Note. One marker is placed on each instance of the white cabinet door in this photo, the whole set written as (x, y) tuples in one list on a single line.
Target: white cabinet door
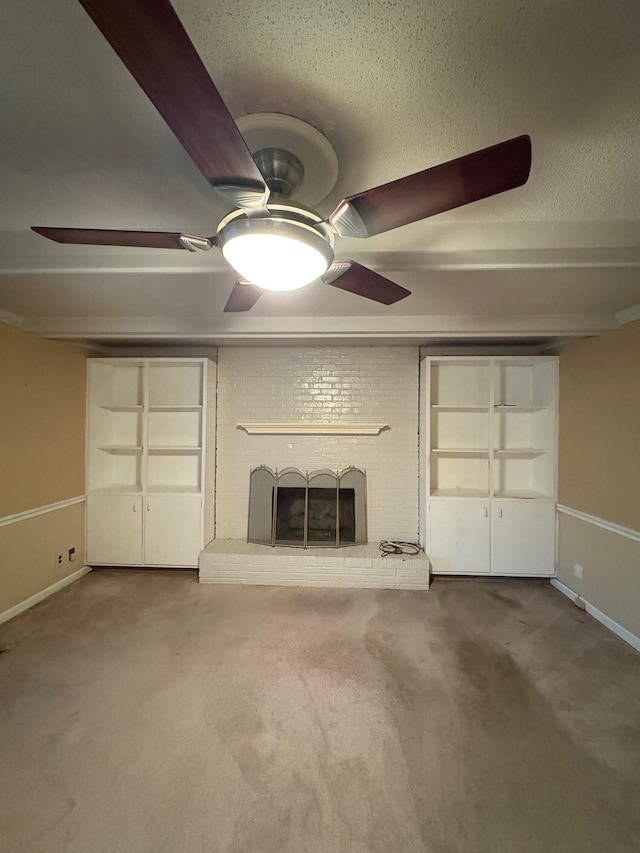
[(114, 529), (459, 536), (173, 530), (523, 538)]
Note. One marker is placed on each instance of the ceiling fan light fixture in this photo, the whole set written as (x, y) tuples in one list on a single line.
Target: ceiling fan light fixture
[(275, 254)]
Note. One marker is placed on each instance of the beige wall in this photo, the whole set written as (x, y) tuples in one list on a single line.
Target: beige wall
[(42, 417), (599, 450), (42, 400), (599, 471)]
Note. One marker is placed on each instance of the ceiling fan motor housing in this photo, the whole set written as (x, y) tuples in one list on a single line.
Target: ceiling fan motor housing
[(297, 218), (283, 172)]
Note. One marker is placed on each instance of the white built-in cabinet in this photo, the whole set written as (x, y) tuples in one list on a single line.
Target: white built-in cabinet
[(146, 427), (489, 460)]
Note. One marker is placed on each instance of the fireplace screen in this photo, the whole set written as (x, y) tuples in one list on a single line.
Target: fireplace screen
[(307, 509)]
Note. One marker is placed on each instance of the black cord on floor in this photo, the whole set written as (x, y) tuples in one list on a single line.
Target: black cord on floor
[(387, 546)]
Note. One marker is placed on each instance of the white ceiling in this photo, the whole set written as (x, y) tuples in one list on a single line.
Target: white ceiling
[(396, 87)]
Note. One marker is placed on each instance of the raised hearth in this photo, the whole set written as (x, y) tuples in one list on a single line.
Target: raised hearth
[(236, 561)]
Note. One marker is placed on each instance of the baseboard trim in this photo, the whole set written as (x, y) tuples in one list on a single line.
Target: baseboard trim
[(611, 526), (10, 318), (628, 315), (41, 510), (605, 620), (44, 593)]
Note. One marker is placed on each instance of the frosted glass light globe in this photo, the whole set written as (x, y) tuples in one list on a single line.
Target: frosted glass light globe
[(275, 255)]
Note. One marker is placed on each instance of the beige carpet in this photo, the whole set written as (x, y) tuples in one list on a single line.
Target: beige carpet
[(143, 712)]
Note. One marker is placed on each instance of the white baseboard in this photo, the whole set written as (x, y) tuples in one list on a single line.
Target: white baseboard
[(605, 620), (44, 593)]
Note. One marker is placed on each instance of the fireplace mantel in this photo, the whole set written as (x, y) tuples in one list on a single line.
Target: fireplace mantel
[(312, 429)]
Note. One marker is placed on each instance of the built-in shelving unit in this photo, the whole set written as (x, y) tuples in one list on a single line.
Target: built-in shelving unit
[(145, 438), (491, 427)]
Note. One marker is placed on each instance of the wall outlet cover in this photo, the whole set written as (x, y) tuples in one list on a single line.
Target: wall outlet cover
[(578, 571)]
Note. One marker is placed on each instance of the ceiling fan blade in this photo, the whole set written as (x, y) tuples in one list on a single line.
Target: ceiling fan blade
[(149, 38), (243, 297), (144, 239), (351, 276), (445, 187)]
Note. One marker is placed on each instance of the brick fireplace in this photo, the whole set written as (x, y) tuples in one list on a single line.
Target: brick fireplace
[(317, 408)]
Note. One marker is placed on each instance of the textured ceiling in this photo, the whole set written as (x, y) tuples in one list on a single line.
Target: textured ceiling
[(396, 87)]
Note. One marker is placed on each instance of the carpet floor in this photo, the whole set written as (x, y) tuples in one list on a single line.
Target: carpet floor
[(141, 712)]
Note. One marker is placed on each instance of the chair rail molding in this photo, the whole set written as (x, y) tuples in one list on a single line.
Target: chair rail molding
[(611, 526), (41, 510)]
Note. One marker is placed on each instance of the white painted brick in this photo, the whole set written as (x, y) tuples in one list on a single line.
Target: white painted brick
[(326, 385)]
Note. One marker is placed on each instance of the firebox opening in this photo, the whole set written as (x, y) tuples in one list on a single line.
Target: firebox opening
[(307, 509), (326, 511)]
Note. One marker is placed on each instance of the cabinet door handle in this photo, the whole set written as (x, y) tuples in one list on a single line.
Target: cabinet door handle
[(148, 506), (135, 506), (486, 512), (500, 513)]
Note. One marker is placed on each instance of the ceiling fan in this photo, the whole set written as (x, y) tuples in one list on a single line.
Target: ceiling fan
[(273, 242)]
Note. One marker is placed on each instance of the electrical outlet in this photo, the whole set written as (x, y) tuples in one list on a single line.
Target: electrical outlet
[(578, 571), (72, 554), (58, 560)]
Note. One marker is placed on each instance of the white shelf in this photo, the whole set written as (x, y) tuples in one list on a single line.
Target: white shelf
[(520, 453), (521, 494), (122, 408), (469, 452), (460, 493), (121, 449), (505, 407), (172, 489), (118, 489), (150, 408), (172, 450), (460, 408)]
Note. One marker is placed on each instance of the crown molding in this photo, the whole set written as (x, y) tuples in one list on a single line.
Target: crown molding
[(237, 329)]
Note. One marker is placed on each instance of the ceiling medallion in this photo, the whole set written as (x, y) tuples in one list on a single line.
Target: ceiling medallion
[(311, 148)]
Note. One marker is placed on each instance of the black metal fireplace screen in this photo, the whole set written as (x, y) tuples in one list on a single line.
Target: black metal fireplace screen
[(307, 509)]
